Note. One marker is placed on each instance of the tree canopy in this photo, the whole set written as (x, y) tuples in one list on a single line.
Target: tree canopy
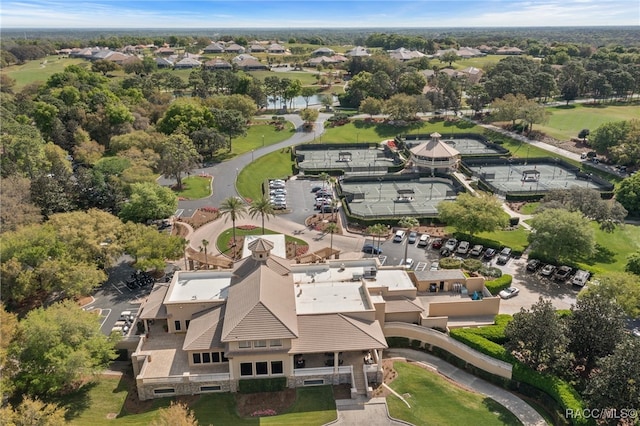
[(472, 214), (562, 235), (57, 347), (149, 201)]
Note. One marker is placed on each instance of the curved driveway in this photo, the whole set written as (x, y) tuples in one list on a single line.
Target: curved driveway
[(224, 173)]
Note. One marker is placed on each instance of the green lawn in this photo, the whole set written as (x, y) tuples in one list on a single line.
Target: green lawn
[(313, 406), (277, 164), (566, 122), (254, 139), (222, 243), (613, 248), (529, 208), (195, 187), (39, 70), (362, 131), (436, 401), (481, 62), (516, 239)]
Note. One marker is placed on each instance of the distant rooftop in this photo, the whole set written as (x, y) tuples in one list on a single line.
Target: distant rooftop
[(199, 285)]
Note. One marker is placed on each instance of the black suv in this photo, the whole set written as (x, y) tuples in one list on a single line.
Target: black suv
[(533, 265)]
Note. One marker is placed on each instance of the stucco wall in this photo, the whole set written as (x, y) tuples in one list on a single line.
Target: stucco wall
[(465, 307), (441, 340)]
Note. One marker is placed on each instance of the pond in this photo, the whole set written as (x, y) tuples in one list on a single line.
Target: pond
[(297, 102)]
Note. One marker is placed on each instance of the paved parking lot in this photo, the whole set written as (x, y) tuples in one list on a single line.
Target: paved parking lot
[(531, 285)]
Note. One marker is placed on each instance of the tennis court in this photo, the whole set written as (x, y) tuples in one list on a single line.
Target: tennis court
[(385, 198), (538, 177), (465, 146), (350, 159)]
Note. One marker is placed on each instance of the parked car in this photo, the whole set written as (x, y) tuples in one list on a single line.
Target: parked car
[(126, 316), (316, 188), (580, 278), (636, 332), (533, 265), (508, 293), (423, 241), (445, 252), (371, 249), (451, 244), (435, 266), (326, 208), (278, 191), (277, 183), (463, 248), (505, 254), (436, 244), (399, 236), (562, 273), (547, 270), (476, 250), (489, 253), (413, 236), (279, 206), (408, 263)]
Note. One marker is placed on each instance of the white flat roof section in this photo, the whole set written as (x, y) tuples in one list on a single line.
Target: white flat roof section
[(326, 297), (393, 279), (279, 245), (199, 285)]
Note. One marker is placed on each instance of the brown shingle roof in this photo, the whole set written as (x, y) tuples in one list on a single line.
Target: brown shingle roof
[(261, 305), (153, 307), (205, 330), (337, 332), (434, 149)]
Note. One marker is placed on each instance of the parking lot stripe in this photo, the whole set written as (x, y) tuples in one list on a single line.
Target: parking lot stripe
[(117, 289)]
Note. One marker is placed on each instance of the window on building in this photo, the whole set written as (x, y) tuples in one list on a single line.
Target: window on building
[(276, 367), (164, 391), (246, 369), (244, 344), (260, 344), (261, 369), (206, 358), (196, 359), (215, 356), (186, 324), (210, 388), (275, 343), (177, 325)]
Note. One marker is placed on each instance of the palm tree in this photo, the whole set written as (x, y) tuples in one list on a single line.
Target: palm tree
[(262, 207), (408, 222), (204, 245), (325, 178), (331, 228), (378, 230), (233, 208)]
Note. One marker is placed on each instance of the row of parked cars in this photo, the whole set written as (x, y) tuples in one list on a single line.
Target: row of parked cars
[(139, 279), (124, 323), (561, 273), (455, 247), (324, 199), (278, 194)]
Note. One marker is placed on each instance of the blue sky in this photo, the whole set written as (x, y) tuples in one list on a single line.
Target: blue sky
[(315, 13)]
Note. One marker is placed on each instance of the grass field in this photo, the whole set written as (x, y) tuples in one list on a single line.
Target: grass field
[(277, 164), (313, 406), (225, 237), (195, 187), (566, 122), (40, 70), (480, 62), (254, 139), (362, 131), (436, 401), (613, 248)]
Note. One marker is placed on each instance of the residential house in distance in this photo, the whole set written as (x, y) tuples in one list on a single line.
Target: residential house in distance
[(309, 324), (187, 63), (257, 48), (217, 64), (248, 63), (164, 62), (473, 74), (323, 51), (505, 50), (276, 48), (403, 55), (234, 48), (165, 51), (215, 48), (358, 51)]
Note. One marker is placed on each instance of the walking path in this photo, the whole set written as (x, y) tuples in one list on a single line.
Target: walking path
[(362, 411), (522, 410)]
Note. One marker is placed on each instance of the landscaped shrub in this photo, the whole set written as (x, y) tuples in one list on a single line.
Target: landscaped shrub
[(415, 344), (262, 385), (450, 263), (499, 284), (398, 342), (490, 271), (472, 265)]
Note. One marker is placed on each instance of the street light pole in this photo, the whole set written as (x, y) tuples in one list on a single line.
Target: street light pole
[(263, 141)]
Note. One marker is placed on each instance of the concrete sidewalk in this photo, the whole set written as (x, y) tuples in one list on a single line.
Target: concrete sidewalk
[(372, 412), (522, 410)]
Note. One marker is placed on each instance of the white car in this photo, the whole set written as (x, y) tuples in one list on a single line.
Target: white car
[(451, 244), (278, 191), (463, 248), (424, 240), (435, 266), (476, 250), (407, 263), (508, 293)]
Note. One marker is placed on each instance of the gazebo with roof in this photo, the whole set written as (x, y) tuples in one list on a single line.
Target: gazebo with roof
[(435, 156)]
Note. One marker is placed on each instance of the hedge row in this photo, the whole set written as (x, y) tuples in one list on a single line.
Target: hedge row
[(499, 284), (562, 392), (262, 385)]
